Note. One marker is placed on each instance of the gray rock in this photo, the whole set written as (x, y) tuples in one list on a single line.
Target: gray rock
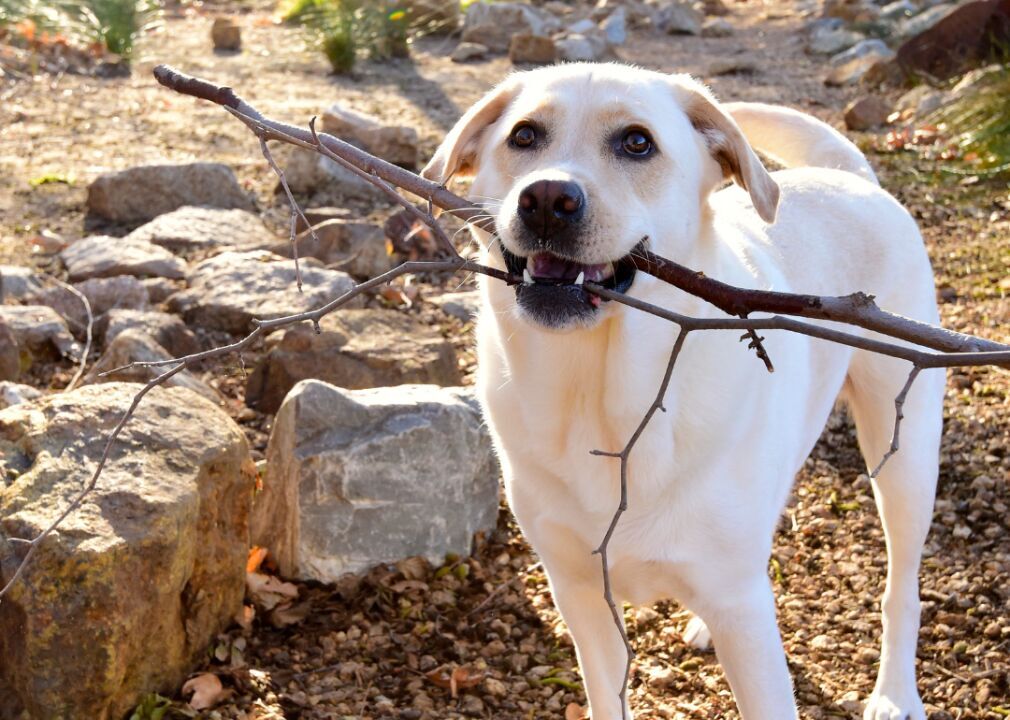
[(460, 305), (582, 27), (898, 10), (307, 172), (158, 289), (717, 27), (167, 330), (468, 51), (864, 48), (39, 329), (867, 112), (679, 18), (103, 294), (494, 24), (12, 393), (17, 282), (394, 143), (527, 49), (10, 354), (356, 248), (191, 229), (230, 290), (134, 345), (827, 41), (583, 48), (356, 349), (101, 256), (157, 550), (615, 26), (357, 478), (142, 193), (924, 20), (853, 71)]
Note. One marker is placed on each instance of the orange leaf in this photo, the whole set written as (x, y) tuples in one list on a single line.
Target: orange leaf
[(256, 557), (574, 711), (207, 691)]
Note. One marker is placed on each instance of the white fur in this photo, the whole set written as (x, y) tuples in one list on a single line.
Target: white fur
[(710, 476)]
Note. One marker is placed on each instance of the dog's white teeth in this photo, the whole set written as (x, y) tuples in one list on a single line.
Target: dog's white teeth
[(580, 279), (527, 278)]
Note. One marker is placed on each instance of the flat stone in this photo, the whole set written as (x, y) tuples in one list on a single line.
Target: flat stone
[(717, 27), (923, 21), (867, 112), (189, 230), (103, 294), (10, 354), (167, 330), (356, 349), (615, 26), (158, 289), (494, 24), (853, 71), (12, 393), (583, 48), (468, 51), (898, 10), (145, 192), (228, 291), (526, 49), (226, 34), (357, 248), (101, 256), (827, 41), (156, 551), (864, 48), (17, 282), (395, 143), (679, 18), (135, 345), (39, 329), (307, 173), (460, 305), (357, 478)]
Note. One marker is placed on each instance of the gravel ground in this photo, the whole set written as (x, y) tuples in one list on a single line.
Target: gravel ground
[(479, 637)]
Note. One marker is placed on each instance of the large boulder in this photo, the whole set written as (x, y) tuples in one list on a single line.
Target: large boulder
[(126, 596), (494, 24), (356, 349), (145, 192), (230, 290), (357, 478), (192, 230), (395, 143), (39, 330), (357, 248), (970, 35), (101, 256)]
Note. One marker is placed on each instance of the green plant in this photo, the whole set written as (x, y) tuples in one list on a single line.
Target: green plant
[(112, 24), (342, 28), (979, 121)]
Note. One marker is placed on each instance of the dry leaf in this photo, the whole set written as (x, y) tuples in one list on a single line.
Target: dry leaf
[(256, 557), (413, 568), (461, 678), (574, 711), (207, 691), (408, 585), (288, 614), (268, 591)]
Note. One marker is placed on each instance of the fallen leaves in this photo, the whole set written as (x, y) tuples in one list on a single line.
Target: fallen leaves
[(456, 679), (207, 691)]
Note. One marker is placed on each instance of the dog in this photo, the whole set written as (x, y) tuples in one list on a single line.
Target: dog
[(581, 165)]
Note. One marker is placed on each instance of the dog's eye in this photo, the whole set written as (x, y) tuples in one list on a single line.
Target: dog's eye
[(637, 143), (523, 136)]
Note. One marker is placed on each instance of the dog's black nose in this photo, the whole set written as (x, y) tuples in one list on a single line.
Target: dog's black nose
[(549, 207)]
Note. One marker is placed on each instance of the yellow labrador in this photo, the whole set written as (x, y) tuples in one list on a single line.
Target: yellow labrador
[(580, 165)]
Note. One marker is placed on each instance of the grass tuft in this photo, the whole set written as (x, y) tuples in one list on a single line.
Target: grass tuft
[(979, 121)]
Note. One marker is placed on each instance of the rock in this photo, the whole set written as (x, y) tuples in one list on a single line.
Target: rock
[(851, 10), (395, 143), (715, 7), (10, 354), (923, 21), (582, 27), (124, 599), (39, 330), (679, 18), (158, 289), (898, 10), (827, 41), (356, 478), (494, 24), (17, 282), (467, 51), (189, 230), (145, 192), (583, 48), (12, 393), (356, 248), (966, 37), (867, 112), (921, 101), (533, 49), (134, 345), (308, 172), (226, 34), (356, 349), (461, 305), (850, 72), (167, 330), (317, 215), (717, 27), (732, 66), (100, 256), (615, 27), (103, 294), (863, 48), (230, 290)]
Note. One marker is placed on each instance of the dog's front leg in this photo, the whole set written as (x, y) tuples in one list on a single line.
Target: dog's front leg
[(741, 618)]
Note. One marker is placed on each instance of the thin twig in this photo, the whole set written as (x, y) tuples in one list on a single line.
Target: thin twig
[(899, 415), (296, 211), (623, 455), (88, 330)]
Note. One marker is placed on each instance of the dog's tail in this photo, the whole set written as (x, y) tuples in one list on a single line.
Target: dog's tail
[(796, 139)]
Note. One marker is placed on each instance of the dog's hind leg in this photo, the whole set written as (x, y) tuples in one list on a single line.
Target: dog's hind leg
[(904, 491)]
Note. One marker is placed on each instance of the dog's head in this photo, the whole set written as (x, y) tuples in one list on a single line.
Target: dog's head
[(580, 163)]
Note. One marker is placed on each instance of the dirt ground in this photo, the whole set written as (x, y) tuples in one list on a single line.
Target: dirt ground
[(386, 646)]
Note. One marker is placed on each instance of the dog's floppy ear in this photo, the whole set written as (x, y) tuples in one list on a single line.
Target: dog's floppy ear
[(731, 150), (458, 152)]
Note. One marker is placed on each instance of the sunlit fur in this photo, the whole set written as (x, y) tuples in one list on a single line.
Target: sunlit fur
[(710, 476)]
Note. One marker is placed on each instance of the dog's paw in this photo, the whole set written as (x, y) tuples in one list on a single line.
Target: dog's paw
[(894, 706), (696, 634)]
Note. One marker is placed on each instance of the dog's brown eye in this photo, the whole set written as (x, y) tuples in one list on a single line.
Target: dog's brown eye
[(636, 142), (524, 136)]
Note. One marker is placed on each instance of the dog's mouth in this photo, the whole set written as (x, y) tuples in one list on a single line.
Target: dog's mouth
[(553, 289)]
